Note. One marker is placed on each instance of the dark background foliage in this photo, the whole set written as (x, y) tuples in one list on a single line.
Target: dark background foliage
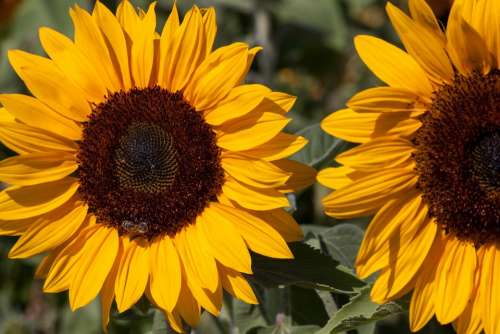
[(308, 52)]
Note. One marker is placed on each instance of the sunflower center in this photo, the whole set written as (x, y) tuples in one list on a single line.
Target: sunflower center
[(486, 159), (458, 157), (148, 163), (146, 160)]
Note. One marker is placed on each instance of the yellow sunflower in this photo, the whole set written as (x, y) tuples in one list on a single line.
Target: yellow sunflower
[(428, 165), (146, 165)]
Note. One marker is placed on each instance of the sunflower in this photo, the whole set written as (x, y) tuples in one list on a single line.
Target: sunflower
[(428, 165), (146, 166)]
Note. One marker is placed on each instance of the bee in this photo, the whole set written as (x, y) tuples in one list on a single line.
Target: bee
[(135, 229)]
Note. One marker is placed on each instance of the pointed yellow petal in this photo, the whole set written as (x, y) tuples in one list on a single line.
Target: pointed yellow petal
[(489, 289), (73, 63), (302, 176), (366, 195), (404, 265), (36, 168), (188, 307), (380, 153), (15, 227), (34, 113), (217, 76), (388, 99), (424, 46), (281, 146), (166, 42), (98, 257), (50, 85), (115, 39), (89, 39), (423, 297), (335, 177), (363, 127), (392, 65), (224, 239), (469, 322), (259, 199), (260, 237), (257, 173), (143, 49), (465, 46), (165, 267), (240, 101), (31, 201), (49, 231), (237, 285), (185, 53), (66, 264), (108, 294), (210, 27), (422, 13), (133, 273), (283, 222), (250, 131), (455, 279), (26, 139)]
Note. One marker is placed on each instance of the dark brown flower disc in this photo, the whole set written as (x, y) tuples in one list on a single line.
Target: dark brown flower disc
[(458, 157), (149, 163)]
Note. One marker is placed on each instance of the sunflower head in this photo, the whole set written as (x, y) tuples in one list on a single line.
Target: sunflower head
[(146, 165), (427, 167)]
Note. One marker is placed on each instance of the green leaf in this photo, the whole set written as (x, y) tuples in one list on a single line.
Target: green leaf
[(309, 269), (247, 317), (360, 311), (342, 242), (322, 147), (306, 307)]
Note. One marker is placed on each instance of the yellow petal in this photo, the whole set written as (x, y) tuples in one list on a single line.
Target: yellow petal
[(31, 201), (98, 257), (115, 39), (237, 285), (366, 195), (185, 52), (166, 41), (283, 101), (199, 256), (455, 279), (73, 63), (423, 297), (257, 173), (465, 46), (217, 76), (15, 227), (240, 101), (49, 231), (380, 153), (89, 39), (133, 273), (210, 27), (392, 65), (44, 266), (188, 307), (283, 222), (388, 99), (66, 263), (335, 177), (142, 56), (390, 221), (250, 131), (34, 113), (260, 236), (36, 168), (422, 13), (485, 19), (362, 127), (108, 294), (50, 85), (224, 239), (424, 46), (404, 265), (259, 199), (165, 267), (26, 139), (469, 322), (490, 289), (302, 176), (281, 146)]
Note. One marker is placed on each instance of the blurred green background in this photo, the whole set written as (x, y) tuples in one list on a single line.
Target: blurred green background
[(308, 52)]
